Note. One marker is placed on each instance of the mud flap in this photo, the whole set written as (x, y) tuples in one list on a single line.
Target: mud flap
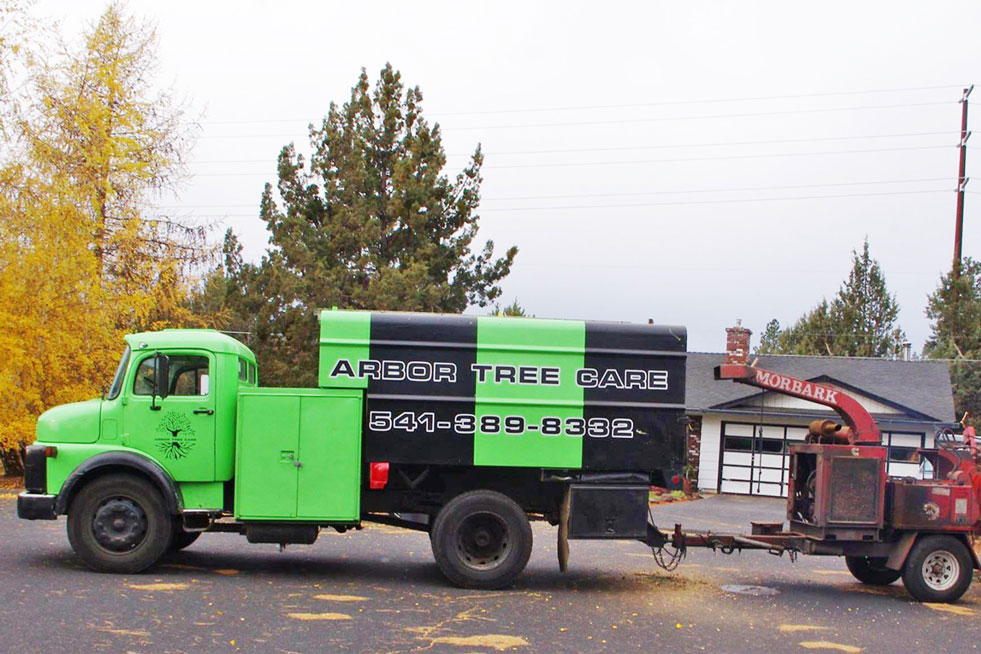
[(901, 551), (563, 537)]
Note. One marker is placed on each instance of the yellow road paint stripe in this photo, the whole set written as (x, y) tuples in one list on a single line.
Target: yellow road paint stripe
[(341, 598), (499, 642), (319, 616), (831, 572), (950, 608), (823, 644), (790, 628), (157, 586)]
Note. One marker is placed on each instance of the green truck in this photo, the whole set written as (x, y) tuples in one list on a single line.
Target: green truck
[(463, 427)]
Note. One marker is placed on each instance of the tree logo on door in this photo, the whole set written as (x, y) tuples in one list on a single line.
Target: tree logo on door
[(179, 437)]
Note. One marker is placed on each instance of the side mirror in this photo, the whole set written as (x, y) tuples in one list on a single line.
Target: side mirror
[(161, 379)]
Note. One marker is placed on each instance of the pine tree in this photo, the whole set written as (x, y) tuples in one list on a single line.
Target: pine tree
[(513, 310), (955, 311), (371, 222), (865, 313), (770, 339), (859, 321)]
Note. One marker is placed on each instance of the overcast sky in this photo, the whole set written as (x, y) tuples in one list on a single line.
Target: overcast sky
[(691, 162)]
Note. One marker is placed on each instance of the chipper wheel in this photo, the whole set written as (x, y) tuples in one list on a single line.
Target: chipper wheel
[(871, 570), (938, 569), (118, 523), (481, 539)]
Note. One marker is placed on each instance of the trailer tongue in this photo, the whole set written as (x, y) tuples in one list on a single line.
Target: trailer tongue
[(841, 502)]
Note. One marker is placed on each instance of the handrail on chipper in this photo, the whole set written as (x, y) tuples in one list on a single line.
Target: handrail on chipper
[(861, 427)]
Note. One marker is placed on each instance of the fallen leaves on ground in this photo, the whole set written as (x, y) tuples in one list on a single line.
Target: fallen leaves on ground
[(319, 616), (158, 586), (500, 642)]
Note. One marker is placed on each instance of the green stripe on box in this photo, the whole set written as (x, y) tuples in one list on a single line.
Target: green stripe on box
[(343, 335), (539, 344)]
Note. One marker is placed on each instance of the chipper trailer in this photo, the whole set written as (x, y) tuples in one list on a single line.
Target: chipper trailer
[(460, 426), (841, 502)]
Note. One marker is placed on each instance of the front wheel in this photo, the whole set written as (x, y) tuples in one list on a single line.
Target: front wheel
[(481, 539), (871, 570), (182, 539), (118, 523), (938, 569)]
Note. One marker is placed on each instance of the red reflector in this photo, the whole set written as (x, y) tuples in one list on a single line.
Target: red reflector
[(676, 480), (378, 475), (50, 452)]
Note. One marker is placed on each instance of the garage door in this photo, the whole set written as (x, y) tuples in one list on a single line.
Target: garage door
[(754, 458)]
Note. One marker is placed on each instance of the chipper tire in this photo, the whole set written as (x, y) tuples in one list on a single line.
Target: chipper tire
[(481, 539), (938, 569), (871, 570), (118, 523)]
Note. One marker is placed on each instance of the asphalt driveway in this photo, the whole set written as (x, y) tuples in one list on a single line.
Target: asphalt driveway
[(378, 590)]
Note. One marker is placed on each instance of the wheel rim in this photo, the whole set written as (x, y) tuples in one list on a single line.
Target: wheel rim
[(119, 524), (483, 541), (941, 569)]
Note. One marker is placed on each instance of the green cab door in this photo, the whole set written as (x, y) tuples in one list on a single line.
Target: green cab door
[(179, 430)]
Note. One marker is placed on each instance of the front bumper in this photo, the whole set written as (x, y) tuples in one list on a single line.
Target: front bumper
[(32, 506)]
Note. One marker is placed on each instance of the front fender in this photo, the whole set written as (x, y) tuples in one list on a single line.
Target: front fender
[(120, 462)]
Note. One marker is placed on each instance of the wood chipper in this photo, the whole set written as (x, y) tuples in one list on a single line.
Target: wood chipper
[(842, 502)]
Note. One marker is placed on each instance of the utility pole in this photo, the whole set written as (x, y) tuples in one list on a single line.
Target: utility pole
[(961, 183)]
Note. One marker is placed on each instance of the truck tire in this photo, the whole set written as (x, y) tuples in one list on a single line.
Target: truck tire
[(481, 539), (938, 569), (118, 523), (182, 539), (871, 570)]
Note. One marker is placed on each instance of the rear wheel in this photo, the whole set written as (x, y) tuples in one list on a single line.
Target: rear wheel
[(481, 539), (871, 570), (118, 523), (938, 569)]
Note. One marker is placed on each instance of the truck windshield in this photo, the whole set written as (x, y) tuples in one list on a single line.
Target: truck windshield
[(117, 381)]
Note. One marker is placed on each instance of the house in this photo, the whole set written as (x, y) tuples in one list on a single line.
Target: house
[(738, 435)]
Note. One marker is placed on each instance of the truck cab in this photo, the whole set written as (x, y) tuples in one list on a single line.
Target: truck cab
[(167, 421)]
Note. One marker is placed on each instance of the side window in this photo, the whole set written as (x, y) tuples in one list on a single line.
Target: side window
[(252, 374), (243, 370), (188, 375), (145, 375)]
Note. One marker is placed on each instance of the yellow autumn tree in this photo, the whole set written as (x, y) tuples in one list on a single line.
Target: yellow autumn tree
[(92, 143)]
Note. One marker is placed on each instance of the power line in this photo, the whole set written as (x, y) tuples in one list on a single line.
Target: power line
[(726, 201), (718, 158), (625, 121), (644, 147), (620, 194), (716, 190), (567, 164), (660, 204), (635, 105)]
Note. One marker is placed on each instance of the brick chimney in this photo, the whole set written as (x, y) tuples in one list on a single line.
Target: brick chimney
[(737, 344)]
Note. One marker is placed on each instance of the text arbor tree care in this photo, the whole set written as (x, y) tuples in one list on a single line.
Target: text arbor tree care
[(446, 371)]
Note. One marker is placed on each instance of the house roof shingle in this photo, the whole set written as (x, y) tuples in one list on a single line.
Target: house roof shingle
[(923, 386)]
